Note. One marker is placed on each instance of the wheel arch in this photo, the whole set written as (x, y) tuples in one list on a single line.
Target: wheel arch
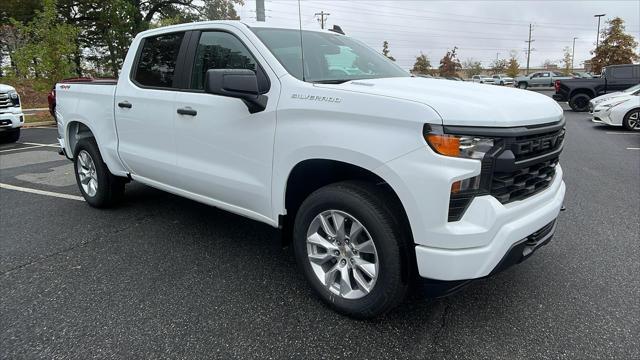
[(311, 174), (78, 129), (589, 92), (75, 131)]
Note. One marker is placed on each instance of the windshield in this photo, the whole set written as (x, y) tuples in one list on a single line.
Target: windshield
[(328, 58)]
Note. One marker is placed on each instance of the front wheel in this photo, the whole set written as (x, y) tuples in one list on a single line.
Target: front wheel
[(98, 186), (352, 248), (12, 136), (631, 120), (522, 85)]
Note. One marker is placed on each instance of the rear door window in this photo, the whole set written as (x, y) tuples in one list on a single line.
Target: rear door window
[(625, 72), (157, 61)]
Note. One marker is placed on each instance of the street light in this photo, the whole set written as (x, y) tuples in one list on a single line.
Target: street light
[(598, 35), (573, 53)]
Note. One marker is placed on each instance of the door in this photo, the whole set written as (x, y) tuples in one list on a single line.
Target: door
[(144, 109), (223, 152)]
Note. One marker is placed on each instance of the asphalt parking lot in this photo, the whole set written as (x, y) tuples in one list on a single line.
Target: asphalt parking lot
[(165, 277)]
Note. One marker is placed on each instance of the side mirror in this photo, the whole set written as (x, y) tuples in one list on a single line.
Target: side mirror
[(236, 83)]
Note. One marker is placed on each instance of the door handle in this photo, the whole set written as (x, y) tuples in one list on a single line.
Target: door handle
[(125, 104), (187, 111)]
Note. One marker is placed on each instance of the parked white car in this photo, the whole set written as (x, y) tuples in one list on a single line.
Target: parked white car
[(482, 79), (634, 90), (619, 111), (502, 80), (11, 116), (377, 179)]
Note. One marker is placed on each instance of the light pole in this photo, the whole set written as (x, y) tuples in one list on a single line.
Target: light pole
[(598, 36), (573, 53)]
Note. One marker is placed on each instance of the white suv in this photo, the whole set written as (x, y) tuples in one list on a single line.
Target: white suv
[(11, 116), (376, 177)]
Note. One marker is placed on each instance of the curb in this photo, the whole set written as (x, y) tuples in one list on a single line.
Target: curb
[(36, 124)]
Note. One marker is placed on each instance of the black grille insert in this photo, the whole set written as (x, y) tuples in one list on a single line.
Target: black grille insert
[(522, 183)]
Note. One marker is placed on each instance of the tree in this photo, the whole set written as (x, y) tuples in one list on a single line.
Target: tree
[(616, 47), (567, 60), (422, 65), (498, 66), (49, 46), (385, 51), (220, 9), (449, 64), (472, 67), (549, 64), (513, 67)]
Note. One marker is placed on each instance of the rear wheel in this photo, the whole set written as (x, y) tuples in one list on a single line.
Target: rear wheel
[(352, 249), (98, 186), (579, 102), (522, 85), (631, 120)]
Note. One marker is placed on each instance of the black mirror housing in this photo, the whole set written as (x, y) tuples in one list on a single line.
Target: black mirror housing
[(236, 83)]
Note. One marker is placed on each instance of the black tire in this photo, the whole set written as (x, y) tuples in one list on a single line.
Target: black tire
[(630, 123), (11, 136), (523, 85), (375, 210), (579, 102), (501, 83), (110, 189)]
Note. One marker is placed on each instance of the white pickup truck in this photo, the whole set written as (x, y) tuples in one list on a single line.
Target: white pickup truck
[(377, 178), (11, 116)]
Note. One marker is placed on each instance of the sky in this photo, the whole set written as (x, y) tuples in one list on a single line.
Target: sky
[(482, 30)]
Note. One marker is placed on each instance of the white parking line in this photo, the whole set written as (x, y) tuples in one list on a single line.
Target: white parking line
[(41, 192), (633, 148), (622, 133), (34, 145)]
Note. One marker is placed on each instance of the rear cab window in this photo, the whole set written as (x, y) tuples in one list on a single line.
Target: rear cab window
[(156, 62)]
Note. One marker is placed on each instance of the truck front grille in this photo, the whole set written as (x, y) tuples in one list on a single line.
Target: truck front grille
[(522, 163), (5, 101), (525, 182)]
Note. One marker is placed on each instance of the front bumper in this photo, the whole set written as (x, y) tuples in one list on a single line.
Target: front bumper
[(505, 227), (12, 118), (473, 245), (603, 117)]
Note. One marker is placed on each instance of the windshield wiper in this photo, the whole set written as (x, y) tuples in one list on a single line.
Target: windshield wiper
[(335, 81)]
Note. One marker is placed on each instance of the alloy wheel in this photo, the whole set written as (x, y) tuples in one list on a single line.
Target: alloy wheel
[(87, 173), (342, 254), (634, 120)]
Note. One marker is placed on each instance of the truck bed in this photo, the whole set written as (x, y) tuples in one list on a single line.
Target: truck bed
[(92, 104)]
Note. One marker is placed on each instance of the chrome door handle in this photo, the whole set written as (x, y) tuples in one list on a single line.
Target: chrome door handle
[(187, 111)]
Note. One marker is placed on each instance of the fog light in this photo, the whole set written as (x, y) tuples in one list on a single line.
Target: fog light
[(470, 184)]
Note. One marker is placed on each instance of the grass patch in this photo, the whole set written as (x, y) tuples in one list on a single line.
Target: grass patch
[(33, 92), (38, 117)]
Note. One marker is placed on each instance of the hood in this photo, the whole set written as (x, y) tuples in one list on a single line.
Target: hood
[(606, 97), (465, 103), (616, 99), (6, 88)]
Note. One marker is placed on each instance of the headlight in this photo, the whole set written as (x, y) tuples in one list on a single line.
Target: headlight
[(13, 95), (609, 106), (462, 146)]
